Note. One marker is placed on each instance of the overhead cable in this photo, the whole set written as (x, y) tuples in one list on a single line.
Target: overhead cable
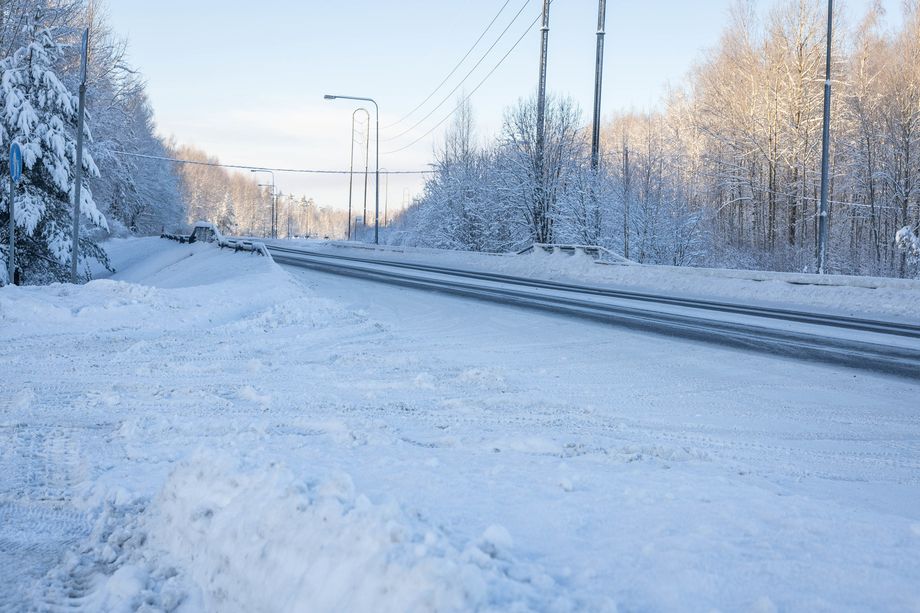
[(255, 167), (451, 73), (470, 95), (468, 74)]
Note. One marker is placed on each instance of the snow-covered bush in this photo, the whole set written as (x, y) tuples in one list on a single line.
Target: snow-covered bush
[(908, 242)]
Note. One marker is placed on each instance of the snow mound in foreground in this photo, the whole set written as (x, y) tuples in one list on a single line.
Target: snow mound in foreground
[(259, 538)]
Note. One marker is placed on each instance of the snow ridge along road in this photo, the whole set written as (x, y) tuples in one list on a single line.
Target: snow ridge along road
[(851, 323), (881, 346)]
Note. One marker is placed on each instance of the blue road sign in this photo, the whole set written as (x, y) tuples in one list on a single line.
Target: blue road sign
[(15, 162)]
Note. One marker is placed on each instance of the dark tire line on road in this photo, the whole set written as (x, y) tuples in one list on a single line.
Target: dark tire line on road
[(874, 357)]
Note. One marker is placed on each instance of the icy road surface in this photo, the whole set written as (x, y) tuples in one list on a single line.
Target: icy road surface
[(207, 431), (868, 297)]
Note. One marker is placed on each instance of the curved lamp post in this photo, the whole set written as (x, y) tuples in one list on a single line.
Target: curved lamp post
[(351, 167), (377, 173)]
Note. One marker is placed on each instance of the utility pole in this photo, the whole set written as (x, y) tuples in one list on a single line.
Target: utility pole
[(825, 147), (386, 194), (15, 176), (11, 257), (598, 78), (78, 179), (626, 196), (541, 120)]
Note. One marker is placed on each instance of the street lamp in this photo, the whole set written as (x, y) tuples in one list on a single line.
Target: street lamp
[(351, 167), (386, 196), (377, 173), (274, 220), (271, 229)]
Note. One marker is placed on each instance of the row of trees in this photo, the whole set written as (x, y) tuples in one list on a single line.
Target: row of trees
[(39, 46), (495, 198), (755, 108), (238, 205), (726, 173), (127, 188)]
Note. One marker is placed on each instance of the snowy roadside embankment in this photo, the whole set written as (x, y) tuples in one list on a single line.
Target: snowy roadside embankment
[(216, 533)]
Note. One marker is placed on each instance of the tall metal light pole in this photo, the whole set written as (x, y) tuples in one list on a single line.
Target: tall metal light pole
[(367, 155), (541, 117), (825, 147), (377, 175), (271, 230), (351, 164), (78, 175), (386, 195), (15, 177), (598, 79), (274, 219)]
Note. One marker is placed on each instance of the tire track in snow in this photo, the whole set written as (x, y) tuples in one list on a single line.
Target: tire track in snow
[(40, 467), (735, 448), (33, 538)]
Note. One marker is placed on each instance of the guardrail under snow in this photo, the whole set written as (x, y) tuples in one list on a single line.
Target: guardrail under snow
[(206, 232)]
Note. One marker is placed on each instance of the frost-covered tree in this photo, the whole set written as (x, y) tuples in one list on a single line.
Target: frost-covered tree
[(727, 170), (39, 111), (137, 195), (543, 186), (909, 243)]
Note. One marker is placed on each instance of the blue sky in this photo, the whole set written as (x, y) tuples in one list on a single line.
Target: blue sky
[(245, 80)]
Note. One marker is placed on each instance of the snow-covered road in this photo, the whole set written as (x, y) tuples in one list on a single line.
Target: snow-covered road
[(216, 433), (886, 347)]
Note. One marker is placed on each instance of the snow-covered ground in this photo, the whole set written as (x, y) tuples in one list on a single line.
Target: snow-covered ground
[(207, 431)]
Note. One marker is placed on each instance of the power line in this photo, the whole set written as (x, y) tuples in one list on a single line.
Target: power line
[(252, 167), (451, 73), (468, 74), (470, 95)]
